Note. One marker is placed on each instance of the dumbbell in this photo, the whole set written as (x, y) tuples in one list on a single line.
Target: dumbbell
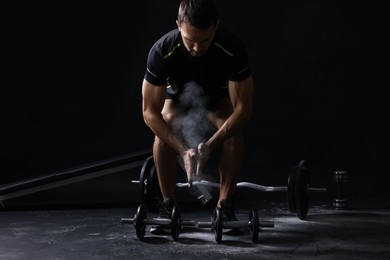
[(341, 178), (140, 221), (253, 224)]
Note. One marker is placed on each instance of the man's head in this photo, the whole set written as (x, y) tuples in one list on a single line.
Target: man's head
[(197, 21)]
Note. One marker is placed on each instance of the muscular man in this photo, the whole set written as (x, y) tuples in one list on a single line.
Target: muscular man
[(199, 51)]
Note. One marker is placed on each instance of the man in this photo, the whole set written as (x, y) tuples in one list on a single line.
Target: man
[(198, 51)]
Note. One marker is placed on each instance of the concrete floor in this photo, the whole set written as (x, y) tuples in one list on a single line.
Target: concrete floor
[(361, 232)]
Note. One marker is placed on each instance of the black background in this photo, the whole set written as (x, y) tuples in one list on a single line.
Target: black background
[(71, 91)]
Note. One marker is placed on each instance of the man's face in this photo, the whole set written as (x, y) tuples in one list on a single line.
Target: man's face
[(197, 41)]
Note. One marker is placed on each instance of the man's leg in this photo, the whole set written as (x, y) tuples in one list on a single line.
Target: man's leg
[(231, 161), (232, 152), (230, 165), (165, 161), (165, 158)]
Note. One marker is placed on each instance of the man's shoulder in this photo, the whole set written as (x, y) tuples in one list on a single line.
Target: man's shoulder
[(228, 40), (168, 40)]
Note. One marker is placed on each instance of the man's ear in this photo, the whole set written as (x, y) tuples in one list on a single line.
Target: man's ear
[(178, 24)]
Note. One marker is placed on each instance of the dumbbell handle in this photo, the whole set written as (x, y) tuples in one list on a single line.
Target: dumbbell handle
[(267, 223), (317, 189), (159, 221), (237, 224), (192, 223), (154, 221), (127, 221)]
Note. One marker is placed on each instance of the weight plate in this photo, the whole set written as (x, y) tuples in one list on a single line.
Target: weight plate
[(140, 226), (217, 225), (144, 179), (148, 185), (301, 190), (155, 196), (175, 225), (254, 228), (291, 189)]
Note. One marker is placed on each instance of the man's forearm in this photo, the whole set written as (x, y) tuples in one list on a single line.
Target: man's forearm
[(164, 132)]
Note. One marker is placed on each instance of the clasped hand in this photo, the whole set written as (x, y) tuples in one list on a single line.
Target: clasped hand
[(195, 160)]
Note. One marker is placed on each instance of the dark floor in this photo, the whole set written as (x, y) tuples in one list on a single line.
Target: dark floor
[(361, 232)]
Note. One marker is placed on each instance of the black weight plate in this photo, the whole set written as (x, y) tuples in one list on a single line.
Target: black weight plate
[(301, 191), (217, 225), (144, 179), (139, 221), (175, 225), (254, 228), (291, 189), (148, 185), (155, 196)]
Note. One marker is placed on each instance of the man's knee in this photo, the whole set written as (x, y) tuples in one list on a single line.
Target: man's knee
[(235, 142), (168, 117), (221, 113), (162, 147)]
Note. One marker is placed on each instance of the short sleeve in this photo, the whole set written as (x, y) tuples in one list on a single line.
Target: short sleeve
[(155, 71)]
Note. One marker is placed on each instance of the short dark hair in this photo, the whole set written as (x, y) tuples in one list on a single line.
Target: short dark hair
[(199, 13)]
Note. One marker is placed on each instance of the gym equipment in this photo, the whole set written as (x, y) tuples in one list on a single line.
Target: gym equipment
[(149, 188), (75, 174), (253, 224), (341, 178), (140, 221), (297, 188)]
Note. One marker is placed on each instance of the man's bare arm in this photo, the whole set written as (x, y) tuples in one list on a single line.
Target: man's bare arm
[(241, 96), (153, 99)]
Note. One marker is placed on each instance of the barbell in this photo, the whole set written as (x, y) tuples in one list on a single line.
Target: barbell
[(297, 188)]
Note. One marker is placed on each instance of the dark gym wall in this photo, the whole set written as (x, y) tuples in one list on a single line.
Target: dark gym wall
[(75, 88), (73, 93)]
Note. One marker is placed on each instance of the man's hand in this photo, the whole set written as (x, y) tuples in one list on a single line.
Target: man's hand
[(189, 159), (203, 156)]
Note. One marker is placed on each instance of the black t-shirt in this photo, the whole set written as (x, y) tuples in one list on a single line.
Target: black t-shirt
[(169, 63)]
